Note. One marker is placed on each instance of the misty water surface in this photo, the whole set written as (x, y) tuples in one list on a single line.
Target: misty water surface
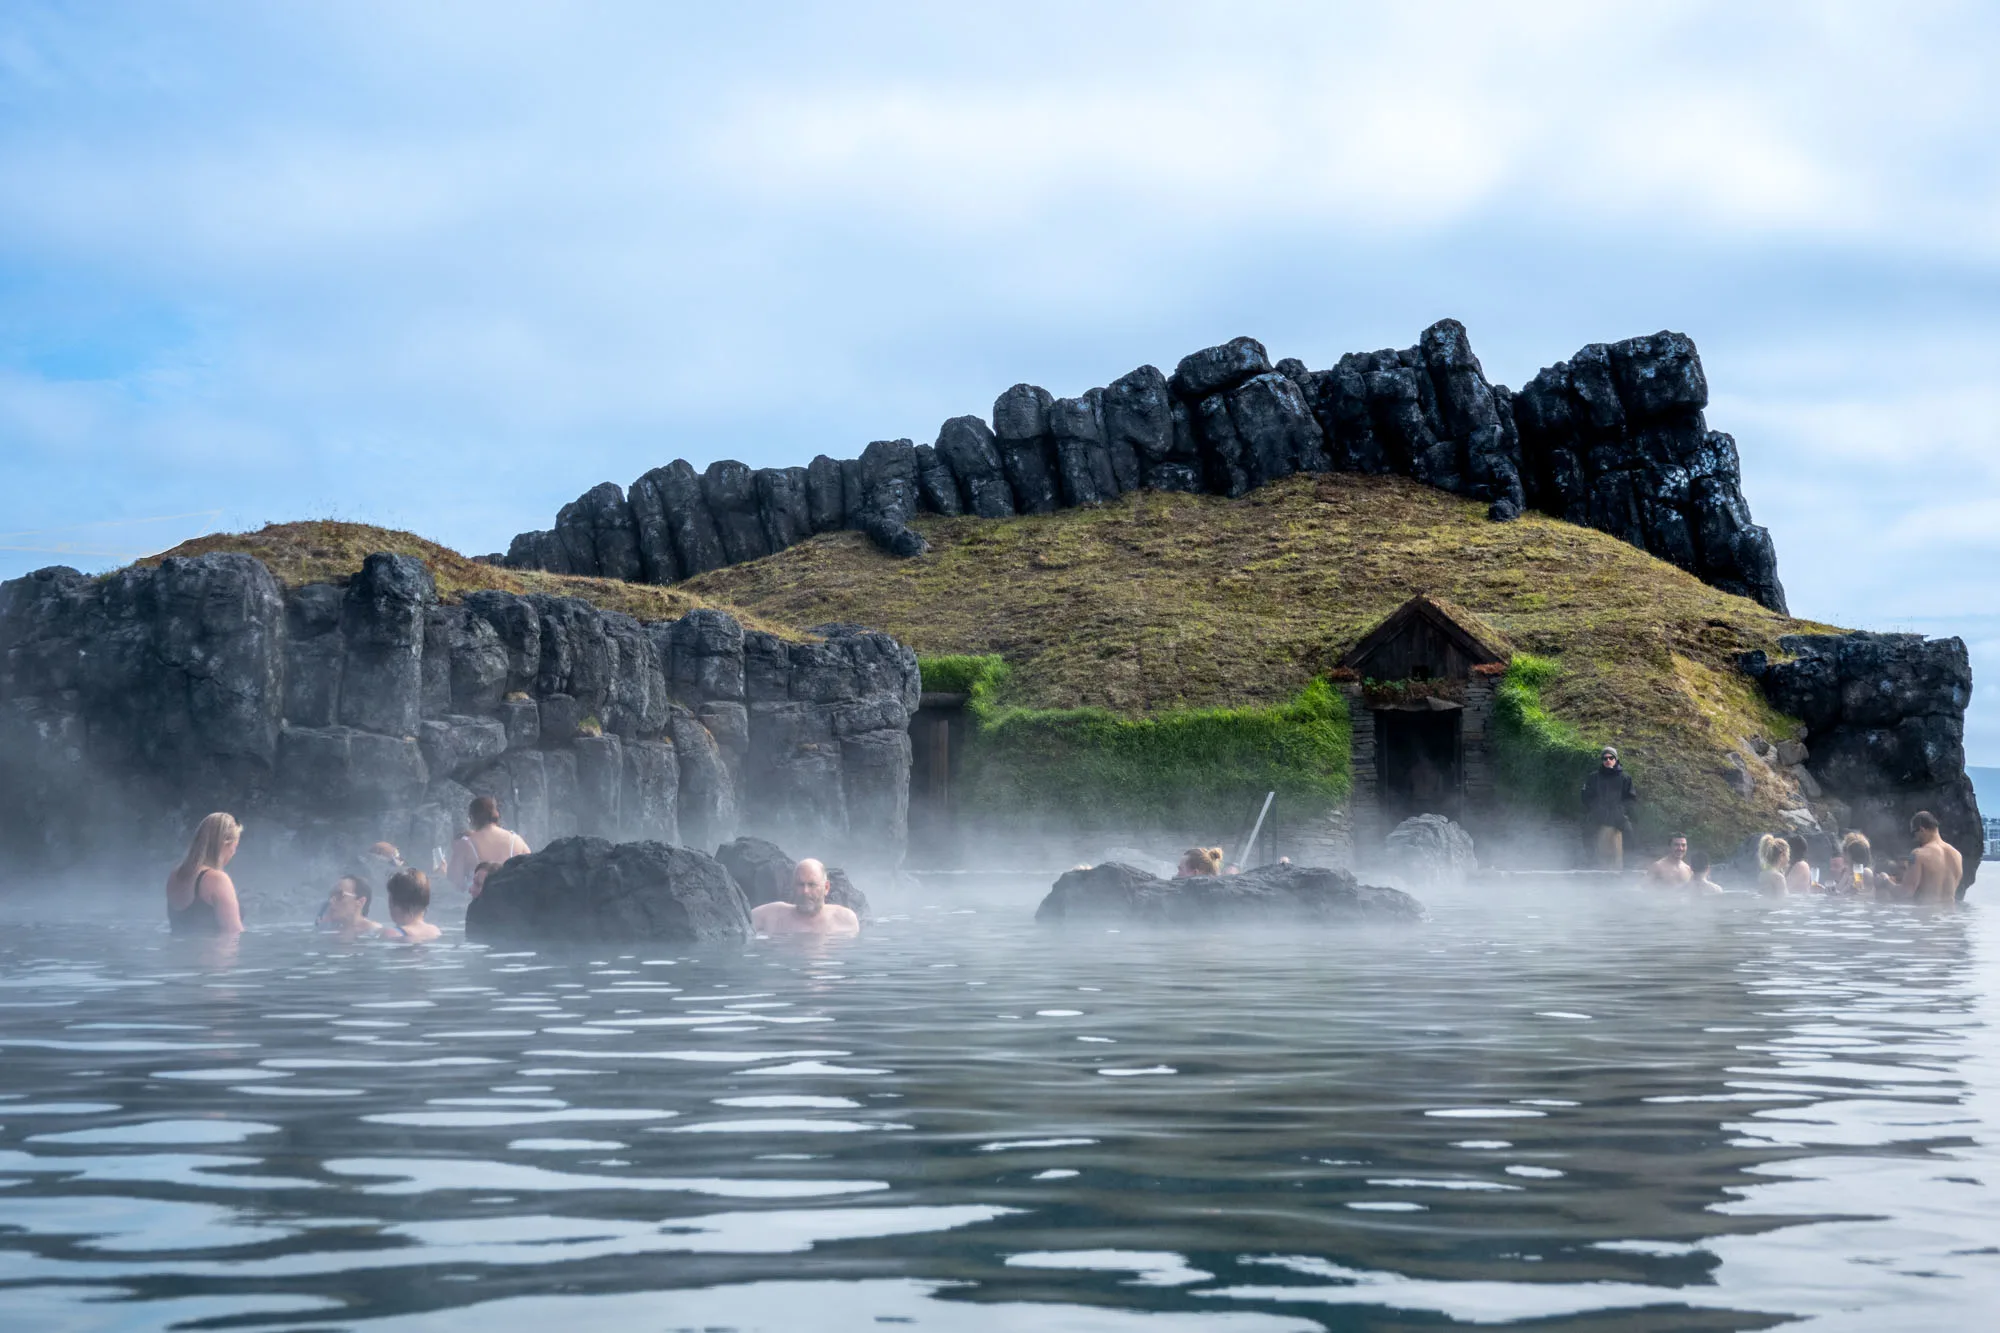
[(1604, 1113)]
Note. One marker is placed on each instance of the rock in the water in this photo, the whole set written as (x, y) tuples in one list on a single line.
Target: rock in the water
[(590, 891), (763, 870), (840, 891), (1430, 850), (1276, 893)]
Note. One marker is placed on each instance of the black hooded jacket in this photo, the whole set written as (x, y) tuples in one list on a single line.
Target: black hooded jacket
[(1608, 797)]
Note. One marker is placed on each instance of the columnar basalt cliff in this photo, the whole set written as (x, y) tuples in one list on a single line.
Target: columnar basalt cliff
[(330, 716), (1885, 730), (1613, 438)]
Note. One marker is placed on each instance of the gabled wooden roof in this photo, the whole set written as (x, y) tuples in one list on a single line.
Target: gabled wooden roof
[(1480, 644)]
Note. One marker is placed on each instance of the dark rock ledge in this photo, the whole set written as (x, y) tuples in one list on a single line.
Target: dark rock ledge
[(1613, 438), (1276, 893)]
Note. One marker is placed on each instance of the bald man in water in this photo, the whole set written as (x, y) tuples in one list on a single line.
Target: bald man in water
[(1935, 865), (808, 913)]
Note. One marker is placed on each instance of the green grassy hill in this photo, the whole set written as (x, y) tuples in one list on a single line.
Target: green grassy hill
[(1172, 641), (1163, 603)]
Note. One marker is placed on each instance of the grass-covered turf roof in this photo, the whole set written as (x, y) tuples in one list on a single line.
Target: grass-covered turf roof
[(1165, 601)]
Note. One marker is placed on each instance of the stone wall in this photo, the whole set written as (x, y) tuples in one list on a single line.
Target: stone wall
[(1885, 731), (1613, 438), (1474, 804), (328, 717)]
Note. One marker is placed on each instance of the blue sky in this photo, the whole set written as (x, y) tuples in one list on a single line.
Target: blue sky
[(445, 266)]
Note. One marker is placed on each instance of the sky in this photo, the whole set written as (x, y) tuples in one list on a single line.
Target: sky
[(445, 266)]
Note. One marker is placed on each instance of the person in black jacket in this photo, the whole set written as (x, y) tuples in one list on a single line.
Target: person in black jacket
[(1608, 799)]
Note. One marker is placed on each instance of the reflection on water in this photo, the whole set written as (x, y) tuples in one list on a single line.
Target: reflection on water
[(1584, 1113)]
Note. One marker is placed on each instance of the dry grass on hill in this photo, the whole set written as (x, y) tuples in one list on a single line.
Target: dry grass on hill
[(328, 552), (1165, 601)]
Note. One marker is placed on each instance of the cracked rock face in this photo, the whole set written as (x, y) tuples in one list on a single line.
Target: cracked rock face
[(1613, 438), (1885, 730), (332, 717)]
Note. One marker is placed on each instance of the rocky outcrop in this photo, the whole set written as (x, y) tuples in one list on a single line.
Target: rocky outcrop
[(1884, 736), (1613, 438), (1276, 893), (331, 716), (590, 891), (763, 870), (1429, 851)]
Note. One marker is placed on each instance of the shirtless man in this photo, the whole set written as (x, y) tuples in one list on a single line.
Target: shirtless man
[(809, 913), (1935, 865), (1672, 869)]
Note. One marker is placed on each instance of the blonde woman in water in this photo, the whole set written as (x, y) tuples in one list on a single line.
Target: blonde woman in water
[(1774, 858), (201, 898)]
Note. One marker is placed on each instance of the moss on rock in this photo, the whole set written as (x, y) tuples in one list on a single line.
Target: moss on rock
[(1091, 767)]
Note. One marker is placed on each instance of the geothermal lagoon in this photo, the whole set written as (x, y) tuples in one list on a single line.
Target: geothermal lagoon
[(1573, 1109)]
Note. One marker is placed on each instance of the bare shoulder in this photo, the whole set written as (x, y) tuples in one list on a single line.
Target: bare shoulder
[(842, 919), (766, 914)]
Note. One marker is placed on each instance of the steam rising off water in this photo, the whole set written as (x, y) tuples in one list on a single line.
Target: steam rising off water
[(1532, 1108)]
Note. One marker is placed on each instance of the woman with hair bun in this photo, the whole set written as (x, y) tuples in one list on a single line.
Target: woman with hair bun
[(1197, 862), (201, 898)]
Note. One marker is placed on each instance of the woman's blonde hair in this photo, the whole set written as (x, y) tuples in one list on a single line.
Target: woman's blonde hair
[(1856, 849), (1773, 853), (1201, 861), (210, 836)]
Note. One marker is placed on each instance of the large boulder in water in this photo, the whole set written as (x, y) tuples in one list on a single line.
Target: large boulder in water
[(1428, 850), (590, 891), (763, 870), (1277, 893), (760, 868)]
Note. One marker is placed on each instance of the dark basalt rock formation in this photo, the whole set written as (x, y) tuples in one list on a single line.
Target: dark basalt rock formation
[(329, 717), (1885, 730), (763, 870), (1429, 851), (590, 891), (1275, 893), (1613, 438)]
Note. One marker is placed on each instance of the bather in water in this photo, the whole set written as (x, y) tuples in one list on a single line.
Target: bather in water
[(201, 898)]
